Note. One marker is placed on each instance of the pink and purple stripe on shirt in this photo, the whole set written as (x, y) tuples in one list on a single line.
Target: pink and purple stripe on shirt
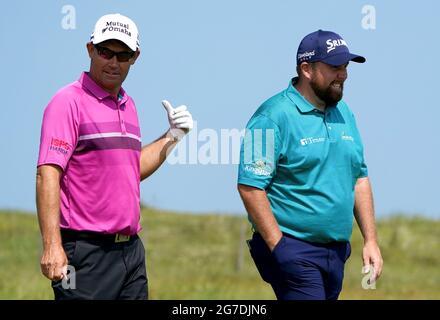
[(107, 135)]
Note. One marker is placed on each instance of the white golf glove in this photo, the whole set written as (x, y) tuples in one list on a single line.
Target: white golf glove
[(181, 121)]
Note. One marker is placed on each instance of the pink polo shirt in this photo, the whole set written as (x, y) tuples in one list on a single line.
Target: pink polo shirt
[(96, 140)]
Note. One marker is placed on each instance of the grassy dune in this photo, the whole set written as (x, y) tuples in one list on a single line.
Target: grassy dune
[(198, 257)]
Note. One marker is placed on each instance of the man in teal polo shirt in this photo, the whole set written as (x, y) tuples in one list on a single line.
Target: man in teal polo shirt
[(302, 178)]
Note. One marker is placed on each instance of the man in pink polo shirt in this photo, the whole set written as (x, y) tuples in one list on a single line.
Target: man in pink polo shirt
[(90, 165)]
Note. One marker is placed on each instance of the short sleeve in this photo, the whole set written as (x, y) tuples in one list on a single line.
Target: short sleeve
[(59, 131), (259, 152), (363, 172)]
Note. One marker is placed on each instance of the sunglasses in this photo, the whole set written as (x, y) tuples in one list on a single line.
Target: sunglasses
[(107, 54)]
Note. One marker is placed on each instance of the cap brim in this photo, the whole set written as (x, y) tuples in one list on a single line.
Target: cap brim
[(343, 58)]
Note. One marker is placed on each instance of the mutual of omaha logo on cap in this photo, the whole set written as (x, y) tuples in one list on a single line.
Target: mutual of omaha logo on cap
[(116, 26), (325, 46)]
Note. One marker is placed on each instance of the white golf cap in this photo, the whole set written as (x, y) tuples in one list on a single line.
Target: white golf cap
[(116, 26)]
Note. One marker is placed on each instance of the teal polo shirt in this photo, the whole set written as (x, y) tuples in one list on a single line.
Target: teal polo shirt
[(308, 161)]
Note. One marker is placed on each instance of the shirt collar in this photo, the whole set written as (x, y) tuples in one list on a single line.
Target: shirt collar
[(87, 82), (301, 103)]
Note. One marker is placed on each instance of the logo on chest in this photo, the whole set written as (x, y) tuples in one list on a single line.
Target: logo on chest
[(346, 137), (311, 140)]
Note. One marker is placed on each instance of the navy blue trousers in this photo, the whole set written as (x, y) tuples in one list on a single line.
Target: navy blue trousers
[(301, 270)]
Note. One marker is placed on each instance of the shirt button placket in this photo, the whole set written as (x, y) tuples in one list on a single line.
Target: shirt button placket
[(121, 119), (327, 129), (330, 132)]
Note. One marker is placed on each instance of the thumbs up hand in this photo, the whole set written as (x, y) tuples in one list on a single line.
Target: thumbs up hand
[(181, 121)]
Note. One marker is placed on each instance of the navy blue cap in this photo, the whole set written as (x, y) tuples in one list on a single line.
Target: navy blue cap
[(325, 46)]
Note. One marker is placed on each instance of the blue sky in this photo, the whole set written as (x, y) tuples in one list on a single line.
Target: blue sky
[(223, 59)]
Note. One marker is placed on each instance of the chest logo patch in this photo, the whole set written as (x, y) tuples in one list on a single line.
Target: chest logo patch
[(306, 141)]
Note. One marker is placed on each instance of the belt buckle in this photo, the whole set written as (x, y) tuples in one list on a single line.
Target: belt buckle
[(121, 238)]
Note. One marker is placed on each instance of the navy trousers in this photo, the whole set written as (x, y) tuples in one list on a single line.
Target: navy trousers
[(301, 270)]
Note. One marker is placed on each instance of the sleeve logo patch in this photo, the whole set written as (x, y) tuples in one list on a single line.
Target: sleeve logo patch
[(259, 168), (59, 145)]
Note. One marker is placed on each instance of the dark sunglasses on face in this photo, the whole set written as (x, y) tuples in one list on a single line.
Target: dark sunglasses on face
[(107, 54)]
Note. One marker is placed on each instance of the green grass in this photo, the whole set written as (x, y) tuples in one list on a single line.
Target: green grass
[(196, 257)]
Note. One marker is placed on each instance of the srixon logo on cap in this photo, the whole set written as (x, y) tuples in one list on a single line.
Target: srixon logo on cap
[(332, 44), (117, 26)]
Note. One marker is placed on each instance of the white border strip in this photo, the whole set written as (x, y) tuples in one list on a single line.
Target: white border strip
[(108, 135)]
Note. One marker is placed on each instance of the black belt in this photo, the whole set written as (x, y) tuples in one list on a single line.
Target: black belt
[(72, 235)]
